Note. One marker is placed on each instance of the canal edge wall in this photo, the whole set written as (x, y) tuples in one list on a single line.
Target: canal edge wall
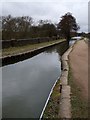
[(65, 103), (10, 59)]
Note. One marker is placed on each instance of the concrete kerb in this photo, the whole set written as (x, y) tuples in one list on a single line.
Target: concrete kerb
[(65, 105)]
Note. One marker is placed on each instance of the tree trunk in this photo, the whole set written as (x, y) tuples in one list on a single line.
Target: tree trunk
[(68, 38)]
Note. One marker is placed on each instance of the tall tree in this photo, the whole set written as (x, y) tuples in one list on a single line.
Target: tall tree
[(67, 25)]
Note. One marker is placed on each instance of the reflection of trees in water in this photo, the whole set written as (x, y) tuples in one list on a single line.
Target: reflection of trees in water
[(60, 49), (50, 50)]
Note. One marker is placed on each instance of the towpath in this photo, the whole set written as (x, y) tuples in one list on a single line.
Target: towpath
[(79, 66)]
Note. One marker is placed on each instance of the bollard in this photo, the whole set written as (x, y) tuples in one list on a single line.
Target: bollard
[(60, 87)]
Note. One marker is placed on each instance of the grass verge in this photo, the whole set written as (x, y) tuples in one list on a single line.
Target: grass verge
[(79, 105), (20, 49), (52, 108)]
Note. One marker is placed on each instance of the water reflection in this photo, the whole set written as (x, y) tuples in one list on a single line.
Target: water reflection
[(27, 84), (74, 39), (72, 42)]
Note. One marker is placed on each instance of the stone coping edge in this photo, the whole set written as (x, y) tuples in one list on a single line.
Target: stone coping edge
[(65, 104)]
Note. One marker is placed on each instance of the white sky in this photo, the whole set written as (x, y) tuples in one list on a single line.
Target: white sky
[(48, 9)]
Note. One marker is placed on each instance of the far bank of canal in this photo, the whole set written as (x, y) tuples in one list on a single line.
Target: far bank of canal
[(27, 84), (16, 54)]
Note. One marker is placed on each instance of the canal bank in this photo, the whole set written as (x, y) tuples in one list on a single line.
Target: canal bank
[(73, 102), (59, 104), (65, 97), (13, 58)]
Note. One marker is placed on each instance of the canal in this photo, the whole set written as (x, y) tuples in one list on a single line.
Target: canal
[(26, 84)]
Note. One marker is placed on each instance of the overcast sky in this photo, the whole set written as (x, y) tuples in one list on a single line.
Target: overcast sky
[(48, 9)]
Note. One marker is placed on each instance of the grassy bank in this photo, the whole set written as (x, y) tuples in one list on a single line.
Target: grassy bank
[(79, 105), (52, 108), (16, 50)]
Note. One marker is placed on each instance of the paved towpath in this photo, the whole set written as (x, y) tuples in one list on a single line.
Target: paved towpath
[(78, 59), (79, 65)]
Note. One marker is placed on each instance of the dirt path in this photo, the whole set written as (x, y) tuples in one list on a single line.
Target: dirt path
[(79, 66)]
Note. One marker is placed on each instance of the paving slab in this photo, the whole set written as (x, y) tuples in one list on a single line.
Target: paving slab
[(65, 104)]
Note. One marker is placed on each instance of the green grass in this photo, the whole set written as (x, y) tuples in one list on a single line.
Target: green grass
[(16, 50), (52, 108), (79, 105)]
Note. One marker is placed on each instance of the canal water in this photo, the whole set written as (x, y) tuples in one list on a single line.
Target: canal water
[(26, 85)]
